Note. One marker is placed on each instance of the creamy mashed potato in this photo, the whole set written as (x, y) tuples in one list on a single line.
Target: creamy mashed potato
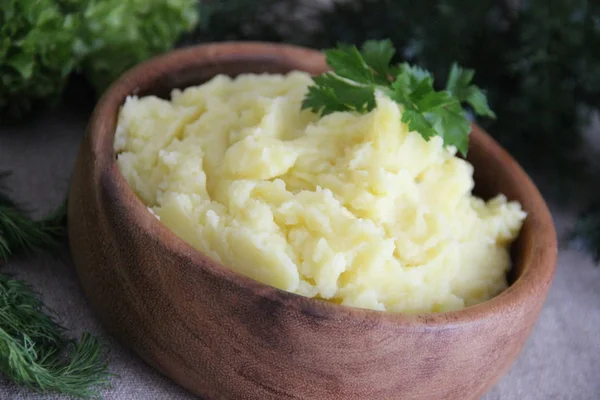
[(355, 209)]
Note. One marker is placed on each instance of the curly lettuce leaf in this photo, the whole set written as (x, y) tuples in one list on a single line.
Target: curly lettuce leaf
[(43, 41), (122, 33), (36, 53)]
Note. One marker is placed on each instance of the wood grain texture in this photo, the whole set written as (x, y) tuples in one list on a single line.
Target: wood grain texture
[(225, 336)]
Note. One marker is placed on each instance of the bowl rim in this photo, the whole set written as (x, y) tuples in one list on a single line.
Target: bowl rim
[(539, 261)]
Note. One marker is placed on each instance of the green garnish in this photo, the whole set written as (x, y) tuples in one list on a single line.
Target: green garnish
[(35, 352), (34, 349), (357, 75), (20, 234), (459, 84), (42, 42)]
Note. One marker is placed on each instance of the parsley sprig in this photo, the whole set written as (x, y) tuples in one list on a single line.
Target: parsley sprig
[(356, 76)]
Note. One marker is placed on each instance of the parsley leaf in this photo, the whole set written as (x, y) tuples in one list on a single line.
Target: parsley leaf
[(378, 55), (333, 93), (347, 62), (429, 112), (459, 85), (357, 75)]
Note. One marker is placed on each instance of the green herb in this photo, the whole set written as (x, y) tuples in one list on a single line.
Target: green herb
[(357, 75), (36, 53), (43, 41), (35, 352), (34, 349), (121, 33), (20, 234), (459, 84)]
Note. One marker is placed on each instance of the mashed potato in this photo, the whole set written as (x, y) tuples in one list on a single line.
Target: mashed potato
[(350, 208)]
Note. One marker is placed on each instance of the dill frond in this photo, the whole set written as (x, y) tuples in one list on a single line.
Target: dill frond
[(35, 352)]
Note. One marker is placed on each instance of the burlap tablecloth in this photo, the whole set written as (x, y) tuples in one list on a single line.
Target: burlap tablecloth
[(561, 360)]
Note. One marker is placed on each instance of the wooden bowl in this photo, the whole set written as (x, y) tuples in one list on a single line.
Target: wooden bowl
[(225, 336)]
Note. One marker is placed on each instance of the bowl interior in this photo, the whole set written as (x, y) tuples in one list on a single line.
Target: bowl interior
[(495, 171)]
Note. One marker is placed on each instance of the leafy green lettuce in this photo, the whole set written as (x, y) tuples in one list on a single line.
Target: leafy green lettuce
[(37, 38), (120, 33), (43, 41)]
